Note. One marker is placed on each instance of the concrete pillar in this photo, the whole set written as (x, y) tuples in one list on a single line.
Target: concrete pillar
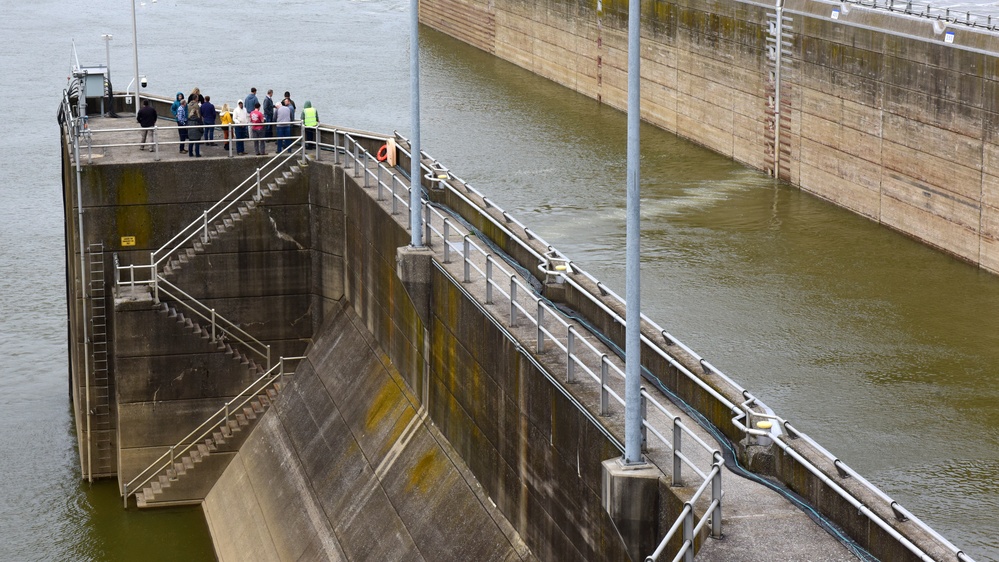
[(630, 495), (412, 265)]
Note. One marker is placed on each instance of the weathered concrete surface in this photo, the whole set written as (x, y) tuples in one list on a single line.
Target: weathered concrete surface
[(347, 466), (878, 114)]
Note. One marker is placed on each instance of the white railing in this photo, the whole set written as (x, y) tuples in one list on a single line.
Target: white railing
[(539, 314), (207, 428), (582, 355)]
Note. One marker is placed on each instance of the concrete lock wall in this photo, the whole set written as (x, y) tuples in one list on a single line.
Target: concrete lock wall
[(879, 113)]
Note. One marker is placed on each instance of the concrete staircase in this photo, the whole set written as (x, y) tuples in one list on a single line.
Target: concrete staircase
[(173, 486), (176, 484), (231, 221)]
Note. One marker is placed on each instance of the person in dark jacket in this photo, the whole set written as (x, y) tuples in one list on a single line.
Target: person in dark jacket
[(147, 119), (208, 116), (268, 108)]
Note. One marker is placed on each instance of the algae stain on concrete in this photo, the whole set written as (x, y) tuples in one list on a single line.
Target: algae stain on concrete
[(131, 211), (387, 396), (427, 472)]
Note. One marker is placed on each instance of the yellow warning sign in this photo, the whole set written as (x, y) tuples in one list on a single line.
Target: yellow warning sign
[(128, 240)]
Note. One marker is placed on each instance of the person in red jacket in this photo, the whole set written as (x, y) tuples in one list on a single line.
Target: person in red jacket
[(257, 129)]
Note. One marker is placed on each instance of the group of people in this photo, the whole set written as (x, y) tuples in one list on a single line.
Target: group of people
[(196, 117)]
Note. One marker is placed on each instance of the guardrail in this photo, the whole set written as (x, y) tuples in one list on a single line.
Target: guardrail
[(207, 427), (744, 414), (582, 356), (927, 10)]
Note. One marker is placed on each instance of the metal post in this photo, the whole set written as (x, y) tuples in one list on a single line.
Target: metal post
[(513, 300), (213, 325), (570, 351), (541, 327), (269, 357), (632, 391), (156, 141), (227, 413), (378, 182), (319, 141), (258, 182), (467, 248), (604, 395), (124, 492), (688, 534), (364, 171), (172, 458), (645, 416), (489, 279), (357, 158), (204, 215), (395, 200), (716, 495), (427, 238), (415, 174), (135, 59), (155, 280), (447, 241), (677, 447)]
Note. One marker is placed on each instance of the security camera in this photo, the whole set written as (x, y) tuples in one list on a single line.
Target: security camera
[(143, 82)]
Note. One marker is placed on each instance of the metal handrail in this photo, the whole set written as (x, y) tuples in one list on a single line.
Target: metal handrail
[(540, 312), (928, 11), (212, 422), (228, 329), (740, 411)]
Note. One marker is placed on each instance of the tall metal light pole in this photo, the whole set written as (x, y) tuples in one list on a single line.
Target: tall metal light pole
[(415, 175), (107, 37), (135, 59), (633, 293)]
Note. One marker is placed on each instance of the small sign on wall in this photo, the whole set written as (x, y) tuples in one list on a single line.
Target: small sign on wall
[(128, 240), (949, 37), (835, 14)]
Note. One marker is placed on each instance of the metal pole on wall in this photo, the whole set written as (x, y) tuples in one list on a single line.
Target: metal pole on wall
[(135, 59), (633, 297), (415, 175)]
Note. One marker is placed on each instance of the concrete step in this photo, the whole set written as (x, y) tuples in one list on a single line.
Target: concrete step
[(297, 169), (225, 430), (272, 394), (212, 447), (172, 473), (140, 500), (243, 211), (227, 223), (199, 247), (257, 406), (180, 468), (188, 462), (203, 450), (195, 455), (155, 487), (264, 400), (148, 494), (164, 481), (249, 413), (218, 438), (241, 419)]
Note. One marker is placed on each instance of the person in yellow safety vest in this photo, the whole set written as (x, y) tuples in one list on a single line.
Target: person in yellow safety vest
[(310, 120)]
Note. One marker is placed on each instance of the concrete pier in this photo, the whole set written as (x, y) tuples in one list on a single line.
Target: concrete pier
[(426, 391)]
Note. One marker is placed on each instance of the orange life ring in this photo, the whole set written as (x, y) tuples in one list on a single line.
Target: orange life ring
[(382, 153)]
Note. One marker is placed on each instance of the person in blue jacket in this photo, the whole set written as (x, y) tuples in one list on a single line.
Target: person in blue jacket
[(251, 100), (176, 103)]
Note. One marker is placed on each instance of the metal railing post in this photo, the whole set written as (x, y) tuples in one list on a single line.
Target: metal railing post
[(604, 395), (156, 145), (357, 158), (688, 534), (269, 365), (677, 447), (489, 279), (125, 494), (379, 183), (204, 236), (155, 278), (570, 351), (395, 200), (447, 241), (172, 457), (716, 495), (366, 173), (258, 182), (513, 300), (227, 413), (319, 141), (213, 325), (643, 406), (468, 266), (426, 222), (541, 327)]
